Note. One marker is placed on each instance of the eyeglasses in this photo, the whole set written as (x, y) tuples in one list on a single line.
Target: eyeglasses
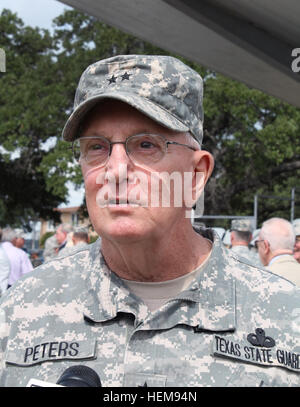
[(256, 243), (142, 149)]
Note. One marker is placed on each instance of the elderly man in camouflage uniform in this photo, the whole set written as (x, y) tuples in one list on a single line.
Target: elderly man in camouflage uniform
[(157, 302), (240, 237)]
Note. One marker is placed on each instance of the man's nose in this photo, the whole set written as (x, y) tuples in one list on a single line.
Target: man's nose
[(119, 163)]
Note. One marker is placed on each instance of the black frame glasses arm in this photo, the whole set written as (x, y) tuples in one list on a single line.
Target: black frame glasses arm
[(179, 144)]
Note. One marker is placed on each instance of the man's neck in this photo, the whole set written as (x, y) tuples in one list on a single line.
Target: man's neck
[(278, 253), (239, 243), (157, 260)]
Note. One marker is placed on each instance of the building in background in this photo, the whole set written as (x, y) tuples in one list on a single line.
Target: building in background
[(70, 215)]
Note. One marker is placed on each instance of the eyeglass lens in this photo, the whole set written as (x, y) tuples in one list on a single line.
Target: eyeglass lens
[(142, 149)]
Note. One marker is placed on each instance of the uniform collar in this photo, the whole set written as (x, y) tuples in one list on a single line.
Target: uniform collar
[(280, 257), (208, 303)]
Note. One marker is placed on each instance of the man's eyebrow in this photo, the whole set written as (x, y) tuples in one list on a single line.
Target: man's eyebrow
[(92, 134)]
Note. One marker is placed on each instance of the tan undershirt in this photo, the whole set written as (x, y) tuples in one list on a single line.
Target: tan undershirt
[(154, 295)]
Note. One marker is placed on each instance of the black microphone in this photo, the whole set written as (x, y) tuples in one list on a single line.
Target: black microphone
[(79, 376)]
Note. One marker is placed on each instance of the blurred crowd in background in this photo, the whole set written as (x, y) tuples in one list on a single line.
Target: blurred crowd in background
[(16, 259), (275, 246)]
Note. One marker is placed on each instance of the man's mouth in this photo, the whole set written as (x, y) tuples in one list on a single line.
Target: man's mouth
[(121, 202)]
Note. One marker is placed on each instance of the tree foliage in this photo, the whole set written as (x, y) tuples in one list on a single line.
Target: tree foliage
[(29, 109), (255, 142), (36, 97), (253, 137)]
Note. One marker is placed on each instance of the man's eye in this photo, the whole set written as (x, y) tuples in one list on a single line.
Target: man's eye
[(147, 144), (96, 146)]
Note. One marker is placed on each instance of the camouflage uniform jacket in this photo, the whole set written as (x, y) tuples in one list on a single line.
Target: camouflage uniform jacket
[(251, 256), (236, 325)]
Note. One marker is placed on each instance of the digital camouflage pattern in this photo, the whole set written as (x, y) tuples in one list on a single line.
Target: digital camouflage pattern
[(245, 225), (251, 256), (161, 87), (236, 325), (242, 225)]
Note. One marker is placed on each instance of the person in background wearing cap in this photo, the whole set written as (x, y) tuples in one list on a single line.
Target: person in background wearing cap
[(275, 247), (155, 302), (296, 225), (240, 238)]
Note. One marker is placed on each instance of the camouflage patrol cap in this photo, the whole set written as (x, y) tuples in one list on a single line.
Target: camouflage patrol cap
[(161, 87), (242, 225)]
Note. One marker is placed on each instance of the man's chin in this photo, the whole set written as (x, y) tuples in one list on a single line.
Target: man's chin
[(123, 230)]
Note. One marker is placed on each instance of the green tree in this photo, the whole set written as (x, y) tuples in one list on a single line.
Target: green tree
[(30, 112), (255, 142), (253, 137), (36, 97)]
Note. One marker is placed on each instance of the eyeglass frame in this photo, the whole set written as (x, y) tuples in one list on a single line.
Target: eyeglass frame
[(111, 143), (257, 241)]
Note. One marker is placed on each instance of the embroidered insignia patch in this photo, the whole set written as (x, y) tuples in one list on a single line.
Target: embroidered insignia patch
[(112, 79), (260, 339), (123, 77), (263, 351)]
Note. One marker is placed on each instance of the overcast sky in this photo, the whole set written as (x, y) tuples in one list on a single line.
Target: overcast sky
[(35, 12), (41, 13)]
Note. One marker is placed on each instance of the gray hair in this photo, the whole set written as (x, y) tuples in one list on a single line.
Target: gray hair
[(191, 141), (19, 233), (279, 233), (8, 234), (65, 227)]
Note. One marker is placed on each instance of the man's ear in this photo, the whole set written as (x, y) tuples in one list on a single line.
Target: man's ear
[(266, 247), (203, 167)]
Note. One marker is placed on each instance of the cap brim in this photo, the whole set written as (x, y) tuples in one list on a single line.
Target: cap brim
[(148, 108)]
